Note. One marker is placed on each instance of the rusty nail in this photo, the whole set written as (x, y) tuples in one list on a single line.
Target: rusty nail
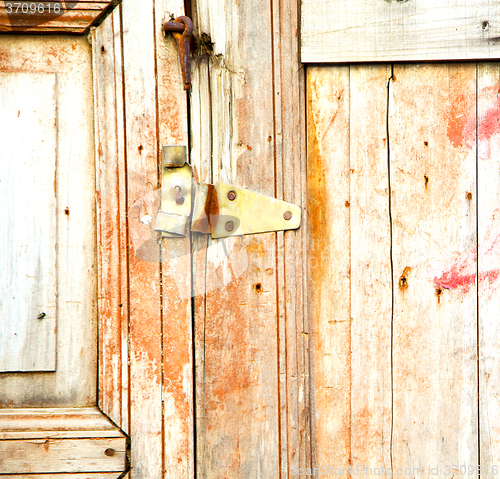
[(231, 195), (109, 452), (229, 226), (179, 199), (287, 216), (182, 30)]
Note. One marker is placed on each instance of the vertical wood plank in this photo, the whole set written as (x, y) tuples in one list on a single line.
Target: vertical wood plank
[(238, 403), (178, 399), (371, 285), (328, 100), (433, 184), (488, 142), (290, 137), (145, 328), (111, 217)]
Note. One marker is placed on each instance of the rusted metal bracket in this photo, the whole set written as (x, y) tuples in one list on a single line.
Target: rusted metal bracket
[(182, 30), (221, 210)]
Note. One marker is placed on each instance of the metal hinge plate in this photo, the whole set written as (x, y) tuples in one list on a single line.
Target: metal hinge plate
[(221, 210)]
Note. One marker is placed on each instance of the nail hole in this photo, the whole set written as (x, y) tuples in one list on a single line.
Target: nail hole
[(258, 288), (426, 179), (347, 204), (66, 211), (468, 195), (485, 24), (140, 148), (426, 143), (439, 292), (403, 280)]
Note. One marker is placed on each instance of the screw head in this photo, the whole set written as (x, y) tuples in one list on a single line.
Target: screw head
[(231, 196), (229, 226), (180, 200), (287, 216), (109, 452)]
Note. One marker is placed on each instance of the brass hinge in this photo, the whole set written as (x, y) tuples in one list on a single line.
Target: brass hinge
[(221, 210)]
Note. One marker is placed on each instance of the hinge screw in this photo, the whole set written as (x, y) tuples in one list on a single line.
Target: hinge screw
[(287, 216), (179, 199), (109, 452), (229, 226), (231, 196)]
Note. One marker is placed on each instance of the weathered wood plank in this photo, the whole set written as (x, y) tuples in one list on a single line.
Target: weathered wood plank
[(328, 263), (237, 388), (368, 31), (59, 441), (28, 126), (111, 214), (145, 330), (82, 475), (55, 423), (433, 211), (371, 282), (488, 147), (74, 382), (50, 16), (62, 455), (178, 390), (290, 152)]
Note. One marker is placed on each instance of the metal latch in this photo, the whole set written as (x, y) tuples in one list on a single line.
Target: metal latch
[(221, 210)]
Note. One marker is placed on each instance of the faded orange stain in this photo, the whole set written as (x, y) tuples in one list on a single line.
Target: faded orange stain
[(457, 117), (462, 123)]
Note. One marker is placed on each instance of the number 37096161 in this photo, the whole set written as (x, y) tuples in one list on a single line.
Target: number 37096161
[(33, 8)]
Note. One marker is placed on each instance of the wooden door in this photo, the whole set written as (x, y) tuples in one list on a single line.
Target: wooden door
[(50, 423), (403, 258)]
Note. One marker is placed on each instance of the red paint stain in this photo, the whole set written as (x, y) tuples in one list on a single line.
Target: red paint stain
[(461, 272)]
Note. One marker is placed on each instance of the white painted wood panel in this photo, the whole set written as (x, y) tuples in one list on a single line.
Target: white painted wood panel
[(28, 229), (74, 382), (395, 30)]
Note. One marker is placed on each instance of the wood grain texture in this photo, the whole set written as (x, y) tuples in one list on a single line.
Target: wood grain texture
[(28, 237), (433, 180), (368, 31), (145, 328), (111, 221), (176, 271), (55, 423), (74, 382), (371, 282), (60, 455), (52, 16), (488, 143), (291, 185), (328, 97), (245, 327), (59, 441)]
